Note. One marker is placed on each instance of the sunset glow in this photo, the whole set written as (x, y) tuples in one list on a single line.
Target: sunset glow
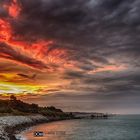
[(68, 50)]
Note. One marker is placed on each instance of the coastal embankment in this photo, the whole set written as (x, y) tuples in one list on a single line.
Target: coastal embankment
[(10, 124)]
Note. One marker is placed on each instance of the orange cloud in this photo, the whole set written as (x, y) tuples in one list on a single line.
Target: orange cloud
[(38, 53), (14, 9), (5, 30), (112, 68)]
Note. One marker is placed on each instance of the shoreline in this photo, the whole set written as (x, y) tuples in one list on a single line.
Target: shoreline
[(10, 125)]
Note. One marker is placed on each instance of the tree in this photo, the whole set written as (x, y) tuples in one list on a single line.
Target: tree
[(13, 98)]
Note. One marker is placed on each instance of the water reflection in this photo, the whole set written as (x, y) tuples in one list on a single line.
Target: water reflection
[(115, 128), (51, 131)]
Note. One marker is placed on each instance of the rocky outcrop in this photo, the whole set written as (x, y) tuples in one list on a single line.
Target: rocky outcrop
[(9, 124)]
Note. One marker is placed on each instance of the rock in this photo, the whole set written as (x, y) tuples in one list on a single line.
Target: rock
[(12, 121)]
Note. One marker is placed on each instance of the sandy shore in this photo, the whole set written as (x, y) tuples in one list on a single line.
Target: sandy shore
[(9, 124)]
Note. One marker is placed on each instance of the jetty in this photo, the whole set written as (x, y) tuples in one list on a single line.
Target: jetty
[(84, 115)]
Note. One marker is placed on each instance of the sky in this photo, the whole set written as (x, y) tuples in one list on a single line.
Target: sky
[(80, 55)]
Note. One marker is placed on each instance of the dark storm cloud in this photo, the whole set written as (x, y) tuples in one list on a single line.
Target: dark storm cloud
[(73, 75), (72, 18), (94, 29), (7, 52), (135, 77), (56, 17), (107, 83)]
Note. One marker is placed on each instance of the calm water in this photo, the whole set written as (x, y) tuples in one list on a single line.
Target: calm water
[(115, 128)]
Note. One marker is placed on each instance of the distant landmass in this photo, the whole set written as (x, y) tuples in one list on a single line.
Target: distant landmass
[(18, 107)]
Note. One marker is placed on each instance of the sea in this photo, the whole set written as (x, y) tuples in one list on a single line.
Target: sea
[(119, 127)]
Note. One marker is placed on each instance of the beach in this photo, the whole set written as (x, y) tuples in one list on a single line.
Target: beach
[(9, 124)]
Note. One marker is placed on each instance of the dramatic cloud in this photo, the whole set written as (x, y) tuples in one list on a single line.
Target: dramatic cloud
[(9, 53), (89, 47)]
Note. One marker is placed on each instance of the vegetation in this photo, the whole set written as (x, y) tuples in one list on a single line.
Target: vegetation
[(18, 107)]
